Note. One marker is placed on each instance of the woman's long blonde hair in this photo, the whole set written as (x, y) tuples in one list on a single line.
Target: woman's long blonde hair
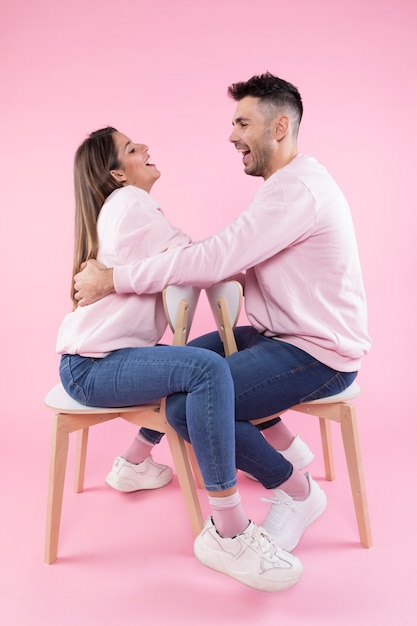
[(93, 183)]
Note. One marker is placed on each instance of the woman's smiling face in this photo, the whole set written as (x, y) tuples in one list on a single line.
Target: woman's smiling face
[(135, 166)]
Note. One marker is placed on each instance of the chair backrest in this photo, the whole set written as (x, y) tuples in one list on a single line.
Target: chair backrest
[(180, 303), (225, 300)]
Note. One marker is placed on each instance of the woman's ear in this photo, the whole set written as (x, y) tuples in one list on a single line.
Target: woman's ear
[(119, 176)]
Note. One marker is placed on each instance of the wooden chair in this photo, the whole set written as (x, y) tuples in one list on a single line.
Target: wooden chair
[(225, 301), (71, 416)]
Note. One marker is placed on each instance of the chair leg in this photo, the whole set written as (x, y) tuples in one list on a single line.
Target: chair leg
[(80, 459), (326, 442), (357, 480), (185, 479), (57, 468)]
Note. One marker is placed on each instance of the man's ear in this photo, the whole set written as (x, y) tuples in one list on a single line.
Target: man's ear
[(119, 176), (281, 126)]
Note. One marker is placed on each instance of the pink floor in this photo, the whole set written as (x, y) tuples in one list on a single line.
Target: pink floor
[(127, 558)]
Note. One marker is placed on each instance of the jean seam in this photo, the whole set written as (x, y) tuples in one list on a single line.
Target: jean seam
[(317, 393)]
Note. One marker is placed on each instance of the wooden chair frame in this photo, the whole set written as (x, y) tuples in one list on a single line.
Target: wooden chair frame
[(225, 301), (71, 416)]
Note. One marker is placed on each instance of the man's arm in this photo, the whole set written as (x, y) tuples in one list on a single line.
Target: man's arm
[(267, 227), (93, 282)]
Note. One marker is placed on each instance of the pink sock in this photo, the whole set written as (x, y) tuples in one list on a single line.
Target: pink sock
[(296, 486), (228, 515), (279, 436), (139, 450)]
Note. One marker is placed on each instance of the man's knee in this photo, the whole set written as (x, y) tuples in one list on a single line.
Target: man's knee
[(210, 341)]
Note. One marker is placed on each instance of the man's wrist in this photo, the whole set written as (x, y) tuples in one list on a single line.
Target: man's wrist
[(108, 285)]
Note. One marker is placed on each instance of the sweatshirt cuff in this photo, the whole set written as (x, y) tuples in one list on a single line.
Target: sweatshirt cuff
[(121, 280)]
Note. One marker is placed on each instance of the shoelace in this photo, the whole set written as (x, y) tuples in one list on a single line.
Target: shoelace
[(279, 514), (264, 544)]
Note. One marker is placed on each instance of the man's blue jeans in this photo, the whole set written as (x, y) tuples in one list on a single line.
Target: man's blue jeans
[(269, 376), (135, 376)]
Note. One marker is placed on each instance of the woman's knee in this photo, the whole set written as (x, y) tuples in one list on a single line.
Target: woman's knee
[(176, 414), (210, 362)]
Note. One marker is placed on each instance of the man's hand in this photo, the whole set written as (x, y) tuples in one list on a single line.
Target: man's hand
[(93, 282)]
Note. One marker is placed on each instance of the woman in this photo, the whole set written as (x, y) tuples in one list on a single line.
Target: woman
[(111, 357)]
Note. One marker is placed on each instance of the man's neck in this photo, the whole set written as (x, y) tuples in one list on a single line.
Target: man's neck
[(283, 159)]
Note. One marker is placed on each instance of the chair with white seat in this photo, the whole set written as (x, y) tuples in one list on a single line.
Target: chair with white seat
[(225, 301), (71, 416)]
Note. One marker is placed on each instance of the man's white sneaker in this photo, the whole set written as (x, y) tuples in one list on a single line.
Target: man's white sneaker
[(252, 558), (125, 476), (287, 519), (298, 454)]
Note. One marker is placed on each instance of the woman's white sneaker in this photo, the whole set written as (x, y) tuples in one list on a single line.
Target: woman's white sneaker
[(298, 453), (125, 476), (287, 518), (252, 558)]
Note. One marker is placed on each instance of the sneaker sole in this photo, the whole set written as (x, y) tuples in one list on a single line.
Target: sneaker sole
[(127, 486), (248, 578)]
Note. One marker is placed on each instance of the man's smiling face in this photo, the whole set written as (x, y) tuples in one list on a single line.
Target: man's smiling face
[(253, 136)]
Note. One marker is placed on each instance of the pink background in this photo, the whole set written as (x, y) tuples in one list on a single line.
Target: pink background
[(159, 72)]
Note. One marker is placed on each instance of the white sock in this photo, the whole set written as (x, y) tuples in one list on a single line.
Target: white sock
[(296, 486), (228, 515), (278, 436), (139, 450)]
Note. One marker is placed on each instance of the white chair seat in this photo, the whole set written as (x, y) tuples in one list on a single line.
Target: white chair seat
[(58, 400)]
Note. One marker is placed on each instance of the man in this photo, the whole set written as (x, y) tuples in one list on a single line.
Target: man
[(304, 294)]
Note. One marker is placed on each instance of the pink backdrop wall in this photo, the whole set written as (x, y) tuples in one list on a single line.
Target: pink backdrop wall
[(159, 72)]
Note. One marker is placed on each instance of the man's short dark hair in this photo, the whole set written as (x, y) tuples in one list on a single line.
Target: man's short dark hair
[(270, 90)]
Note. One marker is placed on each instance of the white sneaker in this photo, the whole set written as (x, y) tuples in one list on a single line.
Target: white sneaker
[(252, 558), (125, 476), (298, 454), (287, 519)]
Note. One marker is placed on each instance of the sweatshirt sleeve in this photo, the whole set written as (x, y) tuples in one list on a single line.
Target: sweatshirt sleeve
[(273, 221)]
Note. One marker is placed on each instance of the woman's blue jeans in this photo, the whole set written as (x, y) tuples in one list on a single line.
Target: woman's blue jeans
[(201, 378), (269, 376)]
